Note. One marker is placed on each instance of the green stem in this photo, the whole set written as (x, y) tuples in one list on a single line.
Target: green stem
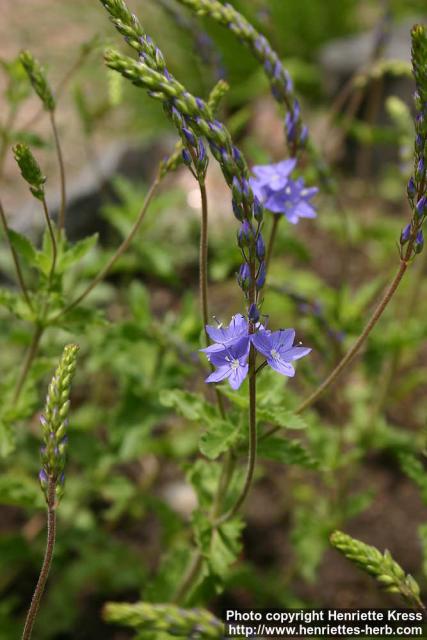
[(52, 239), (252, 449), (409, 310), (61, 216), (15, 258), (44, 573), (29, 358), (203, 277), (117, 254)]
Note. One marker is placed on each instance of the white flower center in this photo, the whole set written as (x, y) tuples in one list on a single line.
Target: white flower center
[(275, 354), (235, 364)]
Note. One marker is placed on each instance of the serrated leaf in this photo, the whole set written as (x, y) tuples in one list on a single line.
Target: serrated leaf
[(23, 247), (76, 252), (281, 417), (219, 436), (220, 546), (189, 405), (287, 452)]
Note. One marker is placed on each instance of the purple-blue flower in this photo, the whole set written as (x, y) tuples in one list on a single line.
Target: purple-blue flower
[(281, 194), (278, 349), (271, 177), (224, 337), (231, 363), (294, 201)]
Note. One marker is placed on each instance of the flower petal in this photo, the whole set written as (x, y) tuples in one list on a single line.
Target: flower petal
[(282, 367), (237, 376), (220, 374), (294, 354)]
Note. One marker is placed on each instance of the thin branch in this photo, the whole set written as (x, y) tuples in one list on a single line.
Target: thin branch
[(117, 254), (61, 216), (359, 342), (52, 239), (29, 358), (272, 239), (15, 258), (44, 573)]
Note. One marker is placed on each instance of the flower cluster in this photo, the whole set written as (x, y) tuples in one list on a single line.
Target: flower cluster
[(280, 81), (193, 119), (412, 234), (54, 423), (230, 350), (280, 194)]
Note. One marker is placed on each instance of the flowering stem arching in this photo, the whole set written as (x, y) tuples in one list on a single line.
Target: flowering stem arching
[(47, 561), (359, 342), (117, 254), (52, 239), (61, 216)]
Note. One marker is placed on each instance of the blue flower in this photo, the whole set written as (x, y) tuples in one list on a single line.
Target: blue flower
[(231, 363), (293, 201), (278, 349), (224, 337), (281, 194), (271, 177)]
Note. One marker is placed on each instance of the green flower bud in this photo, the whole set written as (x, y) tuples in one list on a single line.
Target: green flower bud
[(30, 170), (37, 77)]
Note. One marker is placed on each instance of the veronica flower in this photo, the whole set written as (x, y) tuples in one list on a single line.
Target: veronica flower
[(278, 349), (224, 337), (279, 193), (271, 177), (231, 363), (294, 201)]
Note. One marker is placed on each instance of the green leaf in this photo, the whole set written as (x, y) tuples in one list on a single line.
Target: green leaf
[(76, 252), (287, 452), (189, 405), (20, 492), (23, 247), (415, 470), (220, 436), (220, 546), (281, 417)]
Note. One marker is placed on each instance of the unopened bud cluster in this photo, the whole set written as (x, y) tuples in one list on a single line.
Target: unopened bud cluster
[(165, 619), (30, 170), (387, 571), (54, 422), (417, 185), (193, 119), (37, 77), (281, 83)]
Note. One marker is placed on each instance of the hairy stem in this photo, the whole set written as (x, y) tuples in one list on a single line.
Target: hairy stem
[(29, 358), (44, 573), (61, 216), (408, 311), (252, 449), (52, 239), (203, 258), (15, 257), (117, 254)]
